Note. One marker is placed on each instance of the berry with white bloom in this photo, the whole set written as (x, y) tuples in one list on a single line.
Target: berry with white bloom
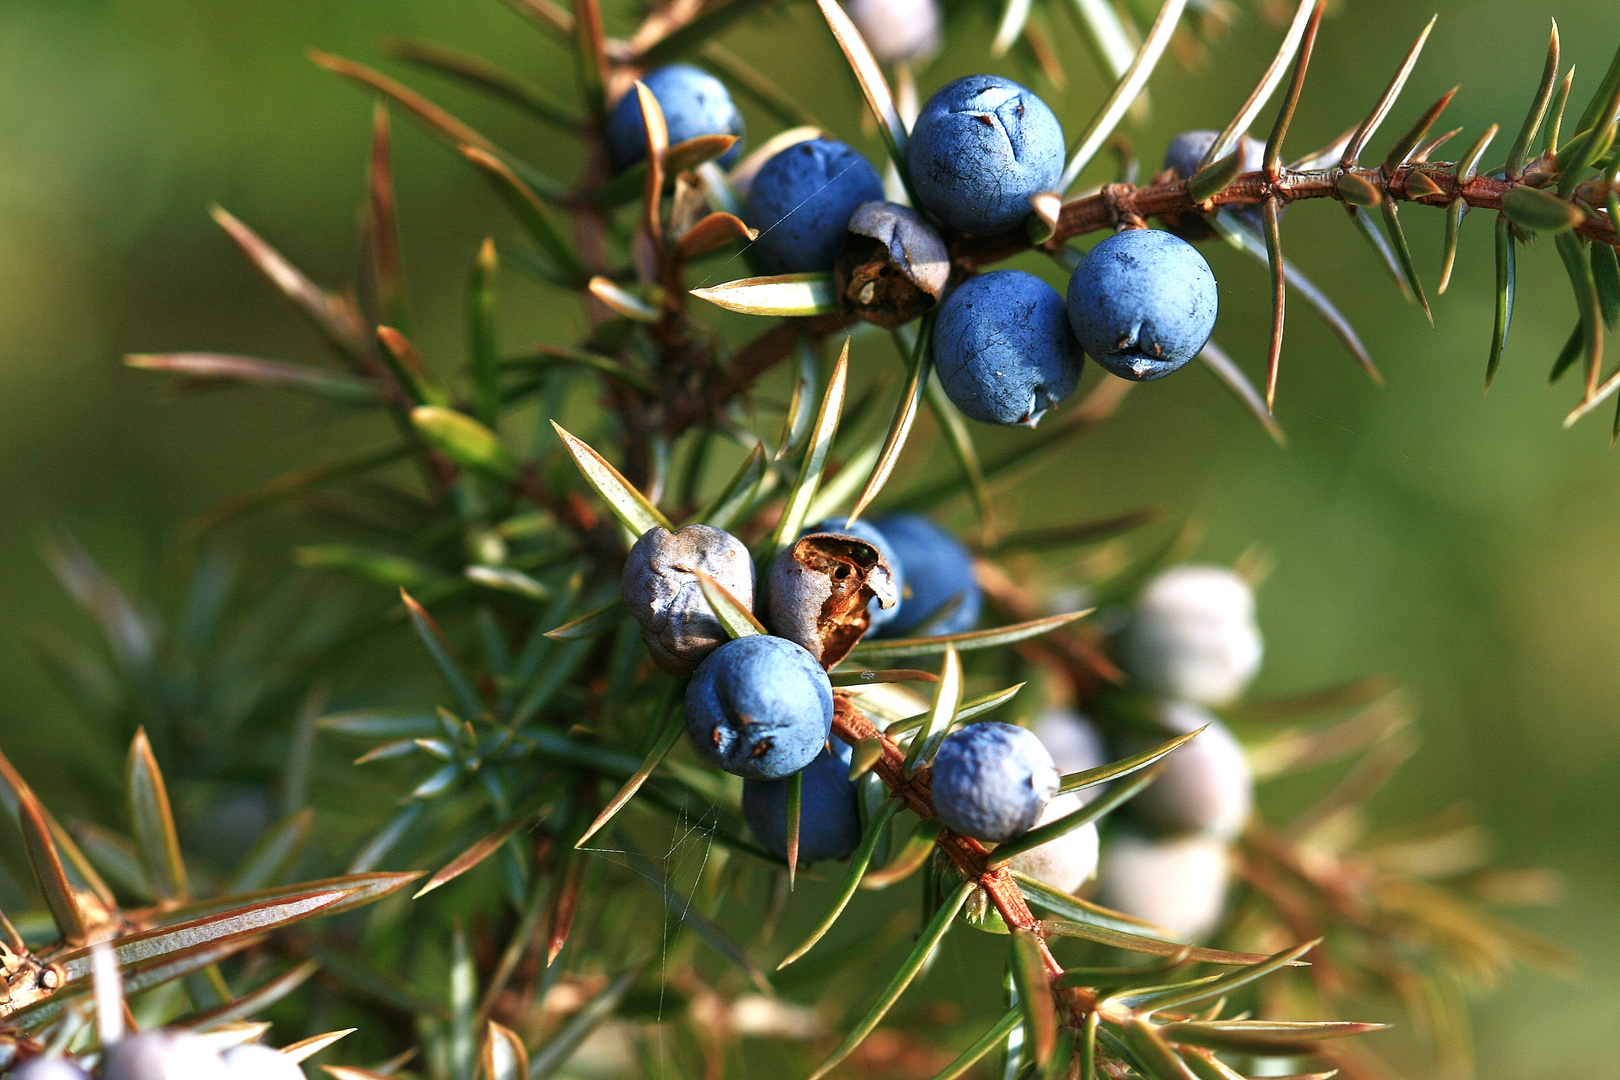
[(1193, 635)]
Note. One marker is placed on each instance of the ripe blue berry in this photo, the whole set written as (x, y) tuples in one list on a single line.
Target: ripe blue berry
[(1067, 862), (938, 574), (1181, 158), (1193, 635), (865, 530), (1003, 348), (983, 145), (1177, 884), (991, 781), (1142, 303), (663, 594), (759, 707), (801, 201), (694, 103), (897, 30), (1207, 786), (829, 811)]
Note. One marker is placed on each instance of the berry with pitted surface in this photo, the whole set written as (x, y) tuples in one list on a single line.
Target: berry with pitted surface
[(991, 781), (1003, 348), (1142, 303)]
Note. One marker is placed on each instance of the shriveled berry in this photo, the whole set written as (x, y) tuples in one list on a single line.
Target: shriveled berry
[(991, 781), (1193, 635), (1067, 862), (759, 707), (663, 594), (822, 589), (255, 1061), (892, 266), (897, 30), (1178, 884), (829, 813), (981, 147), (1142, 303), (1003, 348), (801, 202), (694, 103), (939, 595), (1206, 787)]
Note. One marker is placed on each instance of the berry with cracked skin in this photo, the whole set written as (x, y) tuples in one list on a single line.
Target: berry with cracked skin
[(865, 530), (801, 202), (255, 1061), (1207, 786), (759, 707), (897, 30), (981, 147), (829, 810), (1003, 348), (49, 1068), (694, 103), (163, 1055), (1074, 743), (822, 589), (893, 265), (1193, 635), (662, 592), (1142, 303), (1067, 862), (991, 781), (1178, 884), (1181, 160), (938, 575)]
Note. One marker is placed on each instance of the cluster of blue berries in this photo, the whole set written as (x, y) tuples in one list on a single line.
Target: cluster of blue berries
[(761, 706), (1007, 346)]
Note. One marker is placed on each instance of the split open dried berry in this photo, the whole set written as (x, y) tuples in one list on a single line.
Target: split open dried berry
[(821, 590), (893, 265)]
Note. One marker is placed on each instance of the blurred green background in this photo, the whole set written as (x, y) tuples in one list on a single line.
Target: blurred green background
[(1462, 543)]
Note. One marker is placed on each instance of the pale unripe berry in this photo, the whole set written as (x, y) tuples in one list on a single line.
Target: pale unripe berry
[(1193, 635), (1207, 786), (49, 1068), (1178, 884), (255, 1061), (1067, 862), (897, 30), (162, 1055), (1074, 743)]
